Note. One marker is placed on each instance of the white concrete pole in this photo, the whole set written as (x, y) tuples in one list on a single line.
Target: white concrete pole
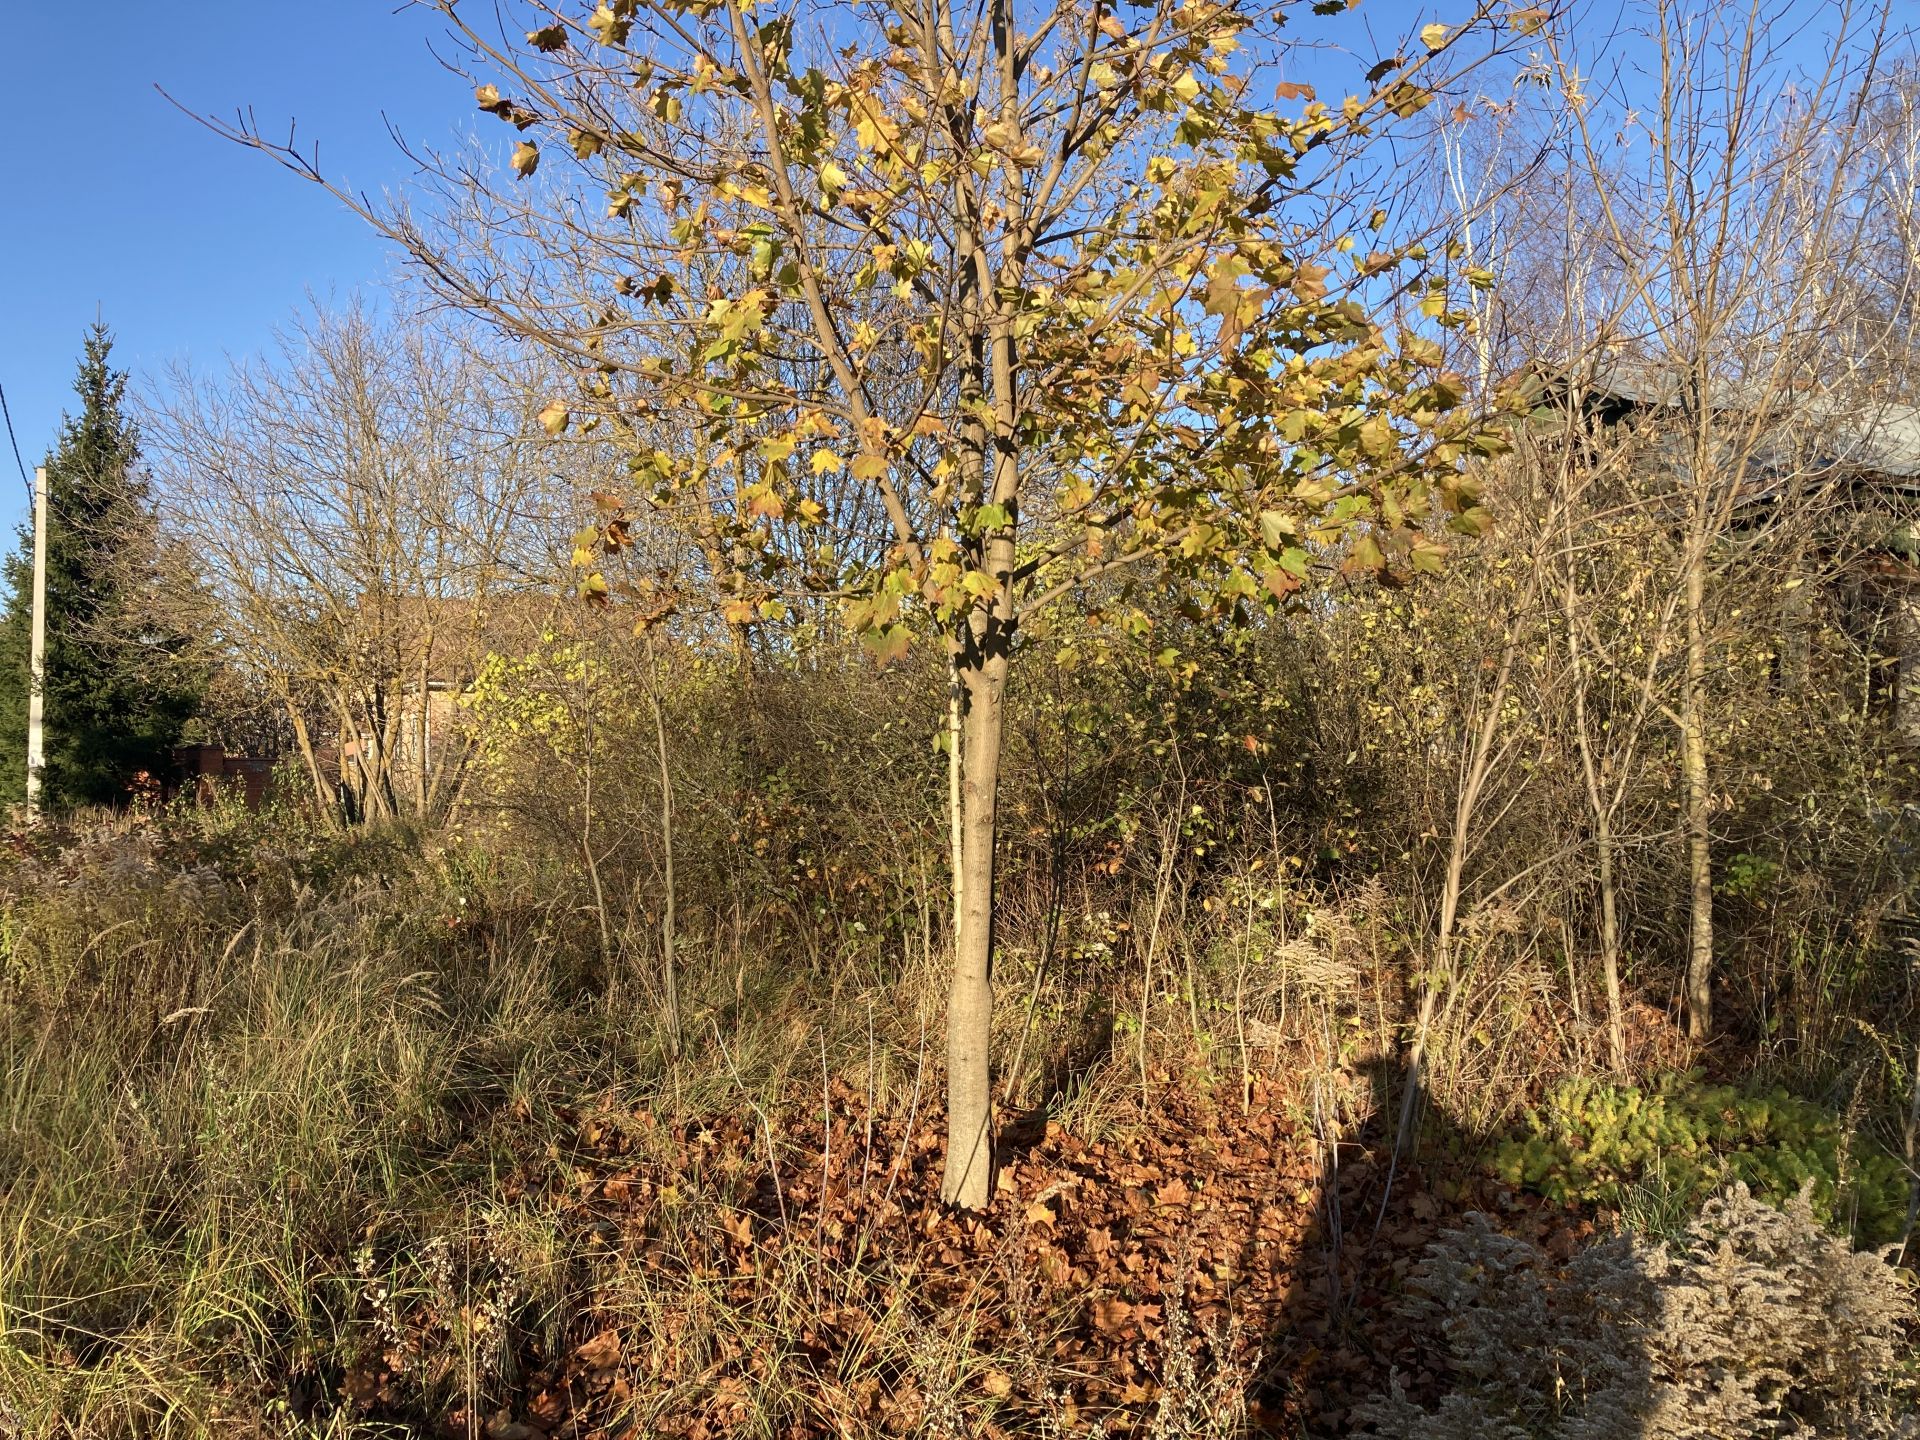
[(37, 674)]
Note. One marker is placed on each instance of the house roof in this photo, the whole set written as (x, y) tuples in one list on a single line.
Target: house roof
[(1615, 381), (1885, 440), (1878, 438)]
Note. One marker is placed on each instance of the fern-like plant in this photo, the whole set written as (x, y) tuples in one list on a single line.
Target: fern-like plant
[(1758, 1323)]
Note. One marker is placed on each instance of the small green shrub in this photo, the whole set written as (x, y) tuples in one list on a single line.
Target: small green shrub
[(1749, 877), (1597, 1142)]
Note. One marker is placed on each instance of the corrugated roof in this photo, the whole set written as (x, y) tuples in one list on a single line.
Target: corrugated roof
[(1880, 437), (1886, 441)]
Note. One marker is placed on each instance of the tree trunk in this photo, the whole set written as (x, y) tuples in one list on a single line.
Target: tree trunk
[(423, 731), (1911, 1150), (1602, 808), (1906, 664), (968, 1181), (956, 805), (326, 797), (667, 957), (989, 471), (1693, 763), (1610, 940)]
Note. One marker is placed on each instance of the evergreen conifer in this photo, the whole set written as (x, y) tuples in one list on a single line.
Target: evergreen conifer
[(119, 685)]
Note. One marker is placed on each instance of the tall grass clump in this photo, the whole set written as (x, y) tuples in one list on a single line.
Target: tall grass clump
[(221, 1096)]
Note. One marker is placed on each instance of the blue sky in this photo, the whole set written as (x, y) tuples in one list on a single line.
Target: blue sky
[(185, 244)]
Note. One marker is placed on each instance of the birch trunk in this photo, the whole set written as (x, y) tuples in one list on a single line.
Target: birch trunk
[(1693, 763), (968, 1181)]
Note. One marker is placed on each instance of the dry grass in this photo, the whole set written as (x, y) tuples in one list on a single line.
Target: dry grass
[(260, 1130), (366, 1138)]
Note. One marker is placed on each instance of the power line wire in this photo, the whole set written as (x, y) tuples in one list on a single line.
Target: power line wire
[(18, 463)]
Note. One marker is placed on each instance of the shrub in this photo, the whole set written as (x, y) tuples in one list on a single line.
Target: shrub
[(1759, 1323), (1594, 1142)]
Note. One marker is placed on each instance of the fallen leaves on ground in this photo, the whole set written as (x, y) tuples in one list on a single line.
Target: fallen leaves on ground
[(799, 1276)]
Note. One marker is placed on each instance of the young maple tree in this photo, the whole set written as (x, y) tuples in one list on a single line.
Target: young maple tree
[(939, 313)]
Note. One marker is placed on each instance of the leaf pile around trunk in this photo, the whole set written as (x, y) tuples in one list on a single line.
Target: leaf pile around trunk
[(1195, 1275)]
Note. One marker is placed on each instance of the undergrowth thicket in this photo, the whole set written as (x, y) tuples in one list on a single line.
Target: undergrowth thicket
[(368, 1135), (384, 1130)]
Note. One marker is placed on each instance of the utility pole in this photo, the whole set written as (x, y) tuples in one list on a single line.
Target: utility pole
[(37, 673)]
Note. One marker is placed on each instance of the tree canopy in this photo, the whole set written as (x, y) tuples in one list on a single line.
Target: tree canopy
[(119, 687)]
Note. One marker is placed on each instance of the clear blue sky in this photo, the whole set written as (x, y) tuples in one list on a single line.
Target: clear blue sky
[(185, 244)]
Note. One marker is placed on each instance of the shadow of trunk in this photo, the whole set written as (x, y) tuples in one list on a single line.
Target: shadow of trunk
[(1350, 1327)]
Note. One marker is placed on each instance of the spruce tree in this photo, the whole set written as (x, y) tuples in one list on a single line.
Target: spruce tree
[(119, 689)]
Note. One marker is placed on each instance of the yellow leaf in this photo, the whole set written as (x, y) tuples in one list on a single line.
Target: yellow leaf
[(870, 467), (825, 462), (526, 158), (611, 29), (1002, 135), (1376, 436), (1404, 99), (873, 133), (1434, 36), (1187, 87), (554, 418)]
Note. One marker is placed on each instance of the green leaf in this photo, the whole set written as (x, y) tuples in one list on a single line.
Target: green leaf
[(990, 517), (888, 642), (1472, 521)]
